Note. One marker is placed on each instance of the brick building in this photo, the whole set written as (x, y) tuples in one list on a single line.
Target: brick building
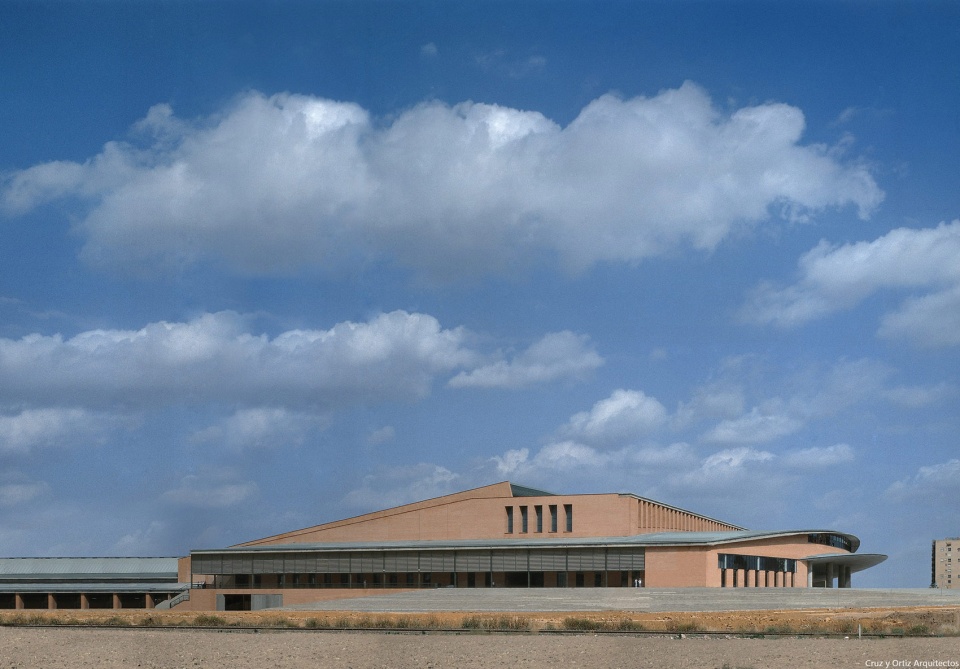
[(506, 535)]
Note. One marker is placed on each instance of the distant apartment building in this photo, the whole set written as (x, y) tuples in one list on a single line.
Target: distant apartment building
[(946, 556)]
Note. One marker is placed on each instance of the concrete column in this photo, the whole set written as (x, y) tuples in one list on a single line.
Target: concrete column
[(843, 580), (831, 574), (84, 601), (148, 601), (749, 578), (18, 602), (116, 601), (51, 601)]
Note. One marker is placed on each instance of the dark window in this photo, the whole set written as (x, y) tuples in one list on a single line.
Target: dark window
[(553, 517), (538, 510), (509, 520), (568, 512), (523, 520), (834, 540)]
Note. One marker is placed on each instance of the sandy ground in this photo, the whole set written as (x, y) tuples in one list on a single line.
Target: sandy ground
[(80, 648)]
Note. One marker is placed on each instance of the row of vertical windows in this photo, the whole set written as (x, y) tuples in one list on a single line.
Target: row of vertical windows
[(834, 540), (538, 518), (756, 563)]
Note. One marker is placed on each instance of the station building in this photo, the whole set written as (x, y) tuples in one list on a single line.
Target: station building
[(506, 535)]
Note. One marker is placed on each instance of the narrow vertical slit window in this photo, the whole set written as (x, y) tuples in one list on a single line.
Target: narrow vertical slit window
[(553, 517), (568, 512), (509, 520), (538, 513), (523, 520)]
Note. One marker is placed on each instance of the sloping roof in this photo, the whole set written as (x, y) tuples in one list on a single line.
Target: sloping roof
[(85, 568), (524, 491), (638, 540)]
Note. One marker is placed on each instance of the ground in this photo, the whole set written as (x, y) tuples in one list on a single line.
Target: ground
[(82, 648)]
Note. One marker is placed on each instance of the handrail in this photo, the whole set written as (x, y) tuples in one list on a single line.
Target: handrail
[(170, 603)]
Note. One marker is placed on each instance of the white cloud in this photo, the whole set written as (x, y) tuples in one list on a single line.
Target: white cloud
[(625, 415), (511, 462), (559, 355), (381, 435), (817, 457), (931, 320), (429, 50), (718, 400), (262, 428), (725, 468), (568, 456), (15, 494), (934, 482), (210, 490), (400, 485), (920, 396), (833, 278), (29, 429), (214, 358), (143, 541), (755, 427), (275, 183)]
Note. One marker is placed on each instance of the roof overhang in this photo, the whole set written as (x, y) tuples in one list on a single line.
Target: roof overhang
[(854, 562), (659, 539)]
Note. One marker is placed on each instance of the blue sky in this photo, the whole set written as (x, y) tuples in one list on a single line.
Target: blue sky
[(271, 264)]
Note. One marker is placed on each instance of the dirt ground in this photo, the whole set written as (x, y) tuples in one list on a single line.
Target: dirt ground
[(122, 648)]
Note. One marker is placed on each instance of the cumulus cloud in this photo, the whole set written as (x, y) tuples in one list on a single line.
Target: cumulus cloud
[(381, 435), (817, 457), (210, 490), (930, 320), (834, 278), (725, 468), (400, 485), (717, 400), (261, 427), (754, 427), (559, 355), (215, 358), (920, 396), (22, 432), (286, 181), (15, 494), (620, 418), (809, 393), (933, 482)]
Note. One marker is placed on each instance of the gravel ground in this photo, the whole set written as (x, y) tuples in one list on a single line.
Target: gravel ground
[(65, 648)]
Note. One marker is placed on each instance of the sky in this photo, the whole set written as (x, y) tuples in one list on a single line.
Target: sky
[(266, 265)]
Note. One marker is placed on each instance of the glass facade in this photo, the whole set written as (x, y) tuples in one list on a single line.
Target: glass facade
[(835, 540)]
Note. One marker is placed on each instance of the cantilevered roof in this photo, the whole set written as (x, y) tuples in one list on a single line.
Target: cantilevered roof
[(638, 540), (88, 568), (855, 562)]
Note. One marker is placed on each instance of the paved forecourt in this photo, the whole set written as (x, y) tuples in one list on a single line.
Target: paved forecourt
[(635, 599)]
